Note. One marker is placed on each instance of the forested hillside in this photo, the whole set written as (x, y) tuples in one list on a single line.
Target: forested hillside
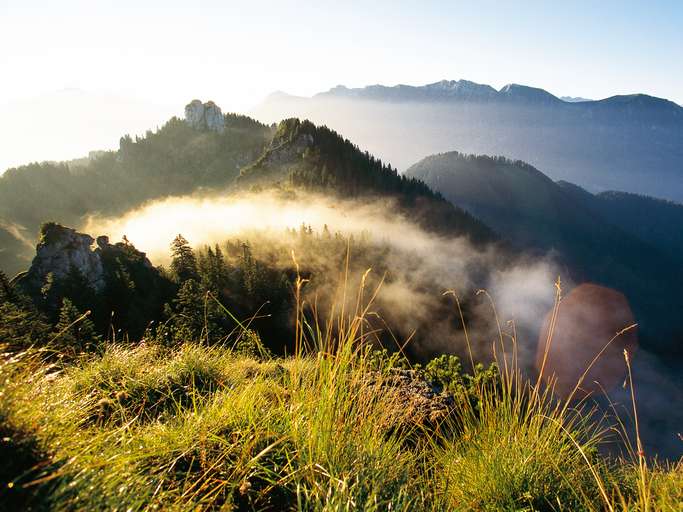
[(124, 292), (655, 221), (630, 142), (179, 159), (627, 242), (317, 158), (176, 159)]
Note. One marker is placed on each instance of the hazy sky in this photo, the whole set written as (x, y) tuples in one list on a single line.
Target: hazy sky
[(236, 52), (166, 53)]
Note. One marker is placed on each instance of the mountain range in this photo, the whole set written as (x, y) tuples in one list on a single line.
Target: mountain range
[(632, 143)]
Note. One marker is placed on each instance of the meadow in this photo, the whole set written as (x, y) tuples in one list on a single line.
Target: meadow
[(337, 425)]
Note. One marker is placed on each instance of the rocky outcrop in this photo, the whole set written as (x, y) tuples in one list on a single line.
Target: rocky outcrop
[(204, 116), (63, 251), (59, 252), (115, 282), (284, 151), (291, 140), (289, 143)]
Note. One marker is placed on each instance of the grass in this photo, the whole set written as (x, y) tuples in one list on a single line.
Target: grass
[(193, 427)]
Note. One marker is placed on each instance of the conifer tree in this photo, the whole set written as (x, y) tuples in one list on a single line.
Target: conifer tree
[(212, 269), (183, 263), (22, 326), (73, 330), (197, 316)]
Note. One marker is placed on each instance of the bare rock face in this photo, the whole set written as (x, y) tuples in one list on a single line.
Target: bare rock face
[(62, 250), (204, 116), (286, 148), (288, 153), (284, 154)]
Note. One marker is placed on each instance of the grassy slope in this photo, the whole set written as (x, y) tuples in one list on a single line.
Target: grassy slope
[(199, 428)]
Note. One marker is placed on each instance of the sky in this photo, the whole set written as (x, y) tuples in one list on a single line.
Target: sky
[(163, 54)]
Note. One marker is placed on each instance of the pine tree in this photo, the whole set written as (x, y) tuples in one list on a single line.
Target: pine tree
[(213, 270), (183, 263), (196, 315), (22, 326), (189, 310), (74, 331)]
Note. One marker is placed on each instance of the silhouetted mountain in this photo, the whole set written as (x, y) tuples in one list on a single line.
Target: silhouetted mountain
[(655, 221), (632, 143), (526, 94), (606, 238)]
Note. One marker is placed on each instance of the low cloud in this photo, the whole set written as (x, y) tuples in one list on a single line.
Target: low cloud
[(419, 268), (419, 265)]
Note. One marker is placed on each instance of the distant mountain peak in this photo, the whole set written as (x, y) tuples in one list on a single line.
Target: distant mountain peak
[(640, 100), (443, 90), (464, 89), (283, 97), (467, 90), (527, 93), (275, 95)]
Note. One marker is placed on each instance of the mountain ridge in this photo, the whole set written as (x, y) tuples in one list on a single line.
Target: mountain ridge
[(202, 152), (624, 241), (318, 158), (463, 89), (632, 143)]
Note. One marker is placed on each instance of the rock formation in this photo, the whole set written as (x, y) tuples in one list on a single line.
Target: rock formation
[(284, 153), (62, 250), (204, 116)]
